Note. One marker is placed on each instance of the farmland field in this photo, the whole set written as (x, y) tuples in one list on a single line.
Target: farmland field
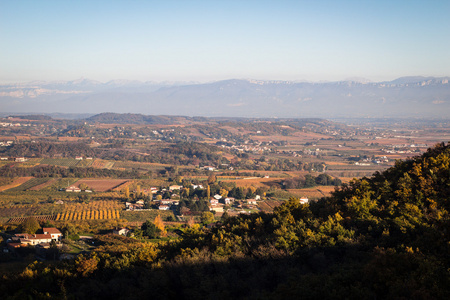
[(16, 182), (43, 185), (313, 193), (18, 220), (63, 162), (269, 205), (101, 185), (142, 216), (137, 165), (33, 182)]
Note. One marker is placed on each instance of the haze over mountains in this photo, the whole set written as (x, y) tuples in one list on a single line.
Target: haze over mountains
[(404, 97)]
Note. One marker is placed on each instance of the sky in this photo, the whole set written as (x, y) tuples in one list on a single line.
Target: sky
[(214, 40)]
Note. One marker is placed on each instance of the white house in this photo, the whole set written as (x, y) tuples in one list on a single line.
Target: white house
[(55, 234)]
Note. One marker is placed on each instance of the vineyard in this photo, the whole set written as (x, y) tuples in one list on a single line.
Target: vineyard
[(142, 216), (15, 183), (18, 211), (43, 185), (269, 205), (104, 214), (63, 162), (99, 164), (30, 184), (95, 210), (124, 165), (19, 220)]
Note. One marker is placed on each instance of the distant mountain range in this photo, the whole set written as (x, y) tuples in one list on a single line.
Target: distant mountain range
[(404, 97)]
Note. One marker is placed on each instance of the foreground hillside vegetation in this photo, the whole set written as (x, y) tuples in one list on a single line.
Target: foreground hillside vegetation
[(381, 237)]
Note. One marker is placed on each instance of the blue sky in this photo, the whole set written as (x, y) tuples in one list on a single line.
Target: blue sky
[(214, 40)]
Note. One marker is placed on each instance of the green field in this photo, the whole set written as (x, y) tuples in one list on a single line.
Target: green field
[(142, 216), (63, 162)]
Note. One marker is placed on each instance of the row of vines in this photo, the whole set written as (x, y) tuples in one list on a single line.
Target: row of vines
[(89, 215)]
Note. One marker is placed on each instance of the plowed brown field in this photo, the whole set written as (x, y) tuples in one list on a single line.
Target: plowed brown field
[(101, 185)]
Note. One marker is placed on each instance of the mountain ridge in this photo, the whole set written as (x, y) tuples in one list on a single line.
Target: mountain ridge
[(411, 96)]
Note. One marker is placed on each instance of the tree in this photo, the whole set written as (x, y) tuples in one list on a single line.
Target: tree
[(207, 217), (127, 192), (150, 230), (70, 232), (208, 192), (30, 225), (160, 225), (212, 178)]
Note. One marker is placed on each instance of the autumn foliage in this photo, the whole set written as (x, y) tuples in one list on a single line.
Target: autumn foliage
[(383, 237)]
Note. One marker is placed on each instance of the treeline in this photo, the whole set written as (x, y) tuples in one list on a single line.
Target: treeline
[(310, 181), (48, 149), (13, 170), (181, 153)]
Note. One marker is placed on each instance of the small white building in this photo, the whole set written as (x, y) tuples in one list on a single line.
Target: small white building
[(121, 231)]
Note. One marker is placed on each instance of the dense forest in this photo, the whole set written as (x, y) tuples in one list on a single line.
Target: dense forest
[(383, 237)]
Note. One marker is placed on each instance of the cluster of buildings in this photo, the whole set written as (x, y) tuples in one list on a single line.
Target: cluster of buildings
[(75, 189), (42, 240), (16, 159)]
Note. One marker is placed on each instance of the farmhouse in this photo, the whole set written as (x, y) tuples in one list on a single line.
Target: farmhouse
[(73, 189), (208, 168), (121, 231), (31, 239), (194, 186), (175, 187), (304, 200), (251, 201), (228, 200), (55, 234)]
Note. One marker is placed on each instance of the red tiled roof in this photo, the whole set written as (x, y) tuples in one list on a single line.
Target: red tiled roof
[(51, 230)]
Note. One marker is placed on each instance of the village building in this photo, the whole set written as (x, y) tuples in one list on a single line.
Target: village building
[(251, 201), (195, 186), (175, 187), (121, 231), (304, 200), (55, 234), (73, 189), (228, 200)]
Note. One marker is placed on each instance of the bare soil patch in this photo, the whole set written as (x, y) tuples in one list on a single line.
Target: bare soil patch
[(102, 185)]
